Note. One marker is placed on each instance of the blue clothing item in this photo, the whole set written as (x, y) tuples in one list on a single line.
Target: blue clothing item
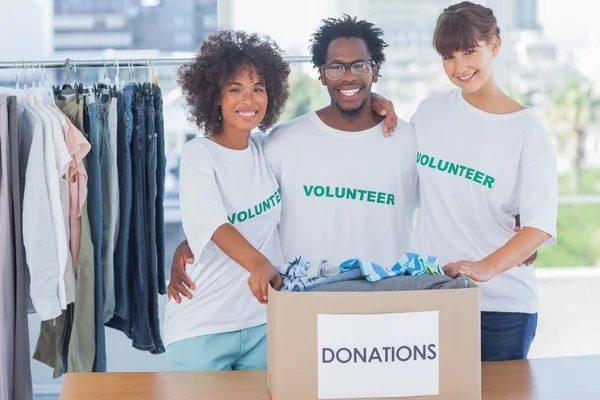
[(138, 254), (136, 272), (94, 200), (150, 208), (161, 167), (121, 319), (245, 349), (102, 105), (103, 100), (150, 175), (300, 274), (143, 308), (506, 336), (410, 264)]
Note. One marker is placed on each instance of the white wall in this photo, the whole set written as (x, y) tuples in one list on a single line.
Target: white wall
[(32, 22)]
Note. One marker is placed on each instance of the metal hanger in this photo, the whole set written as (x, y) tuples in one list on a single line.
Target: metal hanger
[(130, 67), (67, 88), (25, 74), (17, 86), (38, 84), (147, 71), (32, 76), (154, 76), (117, 79)]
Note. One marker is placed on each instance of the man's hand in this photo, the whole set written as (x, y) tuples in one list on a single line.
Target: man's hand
[(385, 108), (180, 280), (259, 281), (477, 271)]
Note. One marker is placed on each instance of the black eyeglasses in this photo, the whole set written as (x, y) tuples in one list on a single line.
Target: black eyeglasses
[(360, 69)]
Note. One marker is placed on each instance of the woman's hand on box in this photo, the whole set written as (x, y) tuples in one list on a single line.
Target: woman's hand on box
[(478, 271), (260, 278)]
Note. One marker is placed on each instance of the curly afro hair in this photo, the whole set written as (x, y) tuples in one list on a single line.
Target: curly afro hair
[(219, 57), (346, 27)]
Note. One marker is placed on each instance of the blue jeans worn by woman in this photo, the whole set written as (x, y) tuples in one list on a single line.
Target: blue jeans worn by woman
[(506, 336)]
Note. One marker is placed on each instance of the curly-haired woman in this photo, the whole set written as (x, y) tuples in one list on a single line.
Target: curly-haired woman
[(230, 204)]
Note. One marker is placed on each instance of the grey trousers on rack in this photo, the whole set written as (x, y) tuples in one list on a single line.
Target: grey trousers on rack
[(15, 372), (22, 380)]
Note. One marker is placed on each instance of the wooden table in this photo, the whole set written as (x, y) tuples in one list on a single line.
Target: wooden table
[(569, 378)]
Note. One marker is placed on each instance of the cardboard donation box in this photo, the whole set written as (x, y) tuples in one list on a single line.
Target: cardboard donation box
[(422, 344)]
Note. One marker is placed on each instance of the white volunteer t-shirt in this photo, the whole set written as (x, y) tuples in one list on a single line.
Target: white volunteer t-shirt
[(477, 171), (344, 194), (219, 186)]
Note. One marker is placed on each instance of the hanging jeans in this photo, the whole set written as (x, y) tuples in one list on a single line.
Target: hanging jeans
[(95, 215), (138, 248), (136, 252), (122, 316), (161, 165), (150, 198), (110, 300), (150, 207), (103, 99)]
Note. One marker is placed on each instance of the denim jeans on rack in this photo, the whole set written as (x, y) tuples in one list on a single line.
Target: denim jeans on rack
[(103, 99), (161, 165), (138, 249), (95, 214), (150, 200), (122, 316)]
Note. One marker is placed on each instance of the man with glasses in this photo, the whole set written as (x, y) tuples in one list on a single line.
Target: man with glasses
[(347, 189)]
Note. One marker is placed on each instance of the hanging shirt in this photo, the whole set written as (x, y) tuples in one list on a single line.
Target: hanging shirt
[(345, 194), (79, 147), (58, 186), (477, 172), (223, 186), (65, 197), (39, 235)]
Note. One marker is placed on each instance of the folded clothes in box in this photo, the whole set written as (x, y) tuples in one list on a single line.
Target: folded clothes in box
[(411, 272)]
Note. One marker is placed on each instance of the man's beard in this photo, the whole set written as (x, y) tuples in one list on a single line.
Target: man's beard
[(352, 114)]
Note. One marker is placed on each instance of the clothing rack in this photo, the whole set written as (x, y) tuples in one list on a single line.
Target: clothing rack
[(112, 63)]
